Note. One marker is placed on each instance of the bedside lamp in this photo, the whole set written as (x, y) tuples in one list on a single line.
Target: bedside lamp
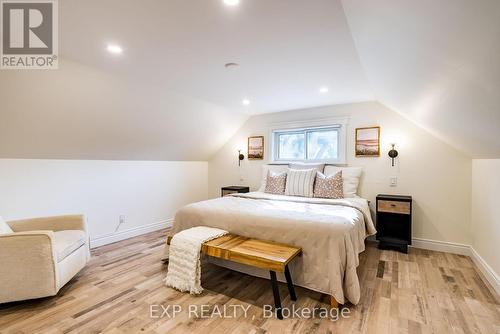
[(393, 154), (240, 157)]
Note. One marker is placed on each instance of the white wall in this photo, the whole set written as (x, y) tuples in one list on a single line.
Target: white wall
[(145, 192), (435, 174), (485, 218)]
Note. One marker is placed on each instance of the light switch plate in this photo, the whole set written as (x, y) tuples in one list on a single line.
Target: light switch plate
[(393, 181)]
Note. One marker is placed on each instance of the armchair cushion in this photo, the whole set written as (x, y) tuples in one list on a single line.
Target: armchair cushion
[(66, 242), (4, 228), (57, 223)]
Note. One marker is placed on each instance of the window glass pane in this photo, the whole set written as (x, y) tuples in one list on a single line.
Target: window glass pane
[(291, 146), (322, 145)]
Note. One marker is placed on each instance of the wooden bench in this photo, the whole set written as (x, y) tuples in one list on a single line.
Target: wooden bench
[(256, 253)]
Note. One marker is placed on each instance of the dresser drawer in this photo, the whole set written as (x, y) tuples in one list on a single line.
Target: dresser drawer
[(394, 207)]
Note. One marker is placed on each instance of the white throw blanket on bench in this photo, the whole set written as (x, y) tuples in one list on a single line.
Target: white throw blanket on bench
[(184, 266)]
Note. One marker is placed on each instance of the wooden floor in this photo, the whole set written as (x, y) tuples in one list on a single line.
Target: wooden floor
[(422, 292)]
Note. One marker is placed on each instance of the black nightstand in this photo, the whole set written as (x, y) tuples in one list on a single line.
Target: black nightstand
[(233, 189), (394, 221)]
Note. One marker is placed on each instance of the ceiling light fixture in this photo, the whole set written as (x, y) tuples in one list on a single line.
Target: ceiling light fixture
[(323, 90), (245, 102), (114, 49), (231, 66), (231, 2)]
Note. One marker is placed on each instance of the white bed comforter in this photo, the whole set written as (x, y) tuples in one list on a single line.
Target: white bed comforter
[(330, 232)]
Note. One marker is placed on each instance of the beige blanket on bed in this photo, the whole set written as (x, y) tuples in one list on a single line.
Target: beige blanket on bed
[(330, 232)]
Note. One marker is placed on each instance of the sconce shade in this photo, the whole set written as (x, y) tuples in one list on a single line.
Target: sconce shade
[(240, 157), (393, 154)]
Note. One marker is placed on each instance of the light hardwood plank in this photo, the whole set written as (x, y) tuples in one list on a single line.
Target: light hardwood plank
[(419, 292)]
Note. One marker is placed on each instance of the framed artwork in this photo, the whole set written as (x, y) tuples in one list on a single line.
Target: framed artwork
[(256, 148), (368, 142)]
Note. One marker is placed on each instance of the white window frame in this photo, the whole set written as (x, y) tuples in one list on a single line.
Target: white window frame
[(338, 123)]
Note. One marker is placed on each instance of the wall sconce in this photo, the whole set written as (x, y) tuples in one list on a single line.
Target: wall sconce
[(393, 154), (240, 157)]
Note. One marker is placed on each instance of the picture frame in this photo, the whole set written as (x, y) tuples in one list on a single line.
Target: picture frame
[(367, 143), (255, 148)]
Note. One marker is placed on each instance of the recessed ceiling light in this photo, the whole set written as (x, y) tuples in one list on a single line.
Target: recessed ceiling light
[(231, 66), (231, 2), (115, 49), (245, 102), (323, 90)]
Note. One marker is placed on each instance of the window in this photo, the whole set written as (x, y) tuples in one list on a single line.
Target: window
[(315, 144)]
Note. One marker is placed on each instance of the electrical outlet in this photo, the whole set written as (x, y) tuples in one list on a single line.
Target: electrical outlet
[(393, 181)]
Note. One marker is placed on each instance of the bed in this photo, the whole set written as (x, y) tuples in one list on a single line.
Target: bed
[(331, 233)]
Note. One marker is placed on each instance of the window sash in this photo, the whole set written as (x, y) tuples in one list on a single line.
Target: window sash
[(305, 132), (330, 129), (278, 146)]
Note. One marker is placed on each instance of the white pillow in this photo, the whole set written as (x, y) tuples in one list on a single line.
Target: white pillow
[(350, 178), (305, 165), (300, 182), (4, 228), (273, 168)]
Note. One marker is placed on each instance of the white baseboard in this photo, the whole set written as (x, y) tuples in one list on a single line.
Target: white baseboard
[(126, 234), (442, 246), (450, 247), (488, 272)]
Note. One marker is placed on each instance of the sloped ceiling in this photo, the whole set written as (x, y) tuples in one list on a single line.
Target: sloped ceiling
[(169, 97), (437, 63), (79, 112)]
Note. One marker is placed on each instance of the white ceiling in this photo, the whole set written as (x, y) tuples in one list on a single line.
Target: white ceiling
[(169, 97), (287, 49), (437, 63)]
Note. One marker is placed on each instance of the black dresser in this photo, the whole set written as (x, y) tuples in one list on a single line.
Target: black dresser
[(394, 215), (233, 189)]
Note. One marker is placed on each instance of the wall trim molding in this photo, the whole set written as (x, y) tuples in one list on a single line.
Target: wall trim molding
[(488, 272), (130, 233), (455, 248), (442, 246), (305, 123)]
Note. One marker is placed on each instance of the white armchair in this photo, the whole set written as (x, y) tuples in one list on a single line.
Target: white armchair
[(41, 256)]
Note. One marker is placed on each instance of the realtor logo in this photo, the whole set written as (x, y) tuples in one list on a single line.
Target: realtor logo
[(29, 34)]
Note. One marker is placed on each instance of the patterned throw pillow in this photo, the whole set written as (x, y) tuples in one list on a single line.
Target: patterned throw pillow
[(275, 183), (329, 186), (300, 182)]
